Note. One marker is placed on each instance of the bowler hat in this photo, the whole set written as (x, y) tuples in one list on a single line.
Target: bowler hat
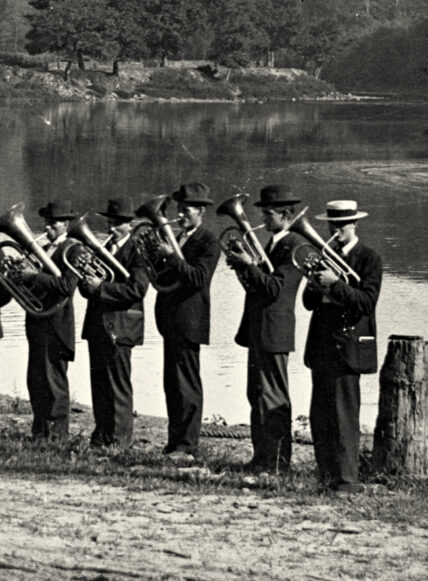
[(121, 208), (57, 210), (276, 195), (194, 194), (341, 211)]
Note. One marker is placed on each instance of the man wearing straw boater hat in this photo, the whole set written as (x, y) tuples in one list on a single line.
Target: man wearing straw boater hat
[(341, 345), (51, 338), (267, 329), (114, 324), (183, 319)]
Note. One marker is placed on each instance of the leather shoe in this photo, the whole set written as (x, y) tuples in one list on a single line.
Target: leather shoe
[(180, 457)]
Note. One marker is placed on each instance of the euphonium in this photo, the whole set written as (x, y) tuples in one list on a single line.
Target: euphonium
[(154, 228), (90, 257), (24, 252), (317, 253), (243, 235)]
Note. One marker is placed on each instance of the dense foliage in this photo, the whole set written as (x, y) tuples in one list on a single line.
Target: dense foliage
[(310, 34)]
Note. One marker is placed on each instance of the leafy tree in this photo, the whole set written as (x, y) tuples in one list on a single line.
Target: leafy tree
[(237, 38), (281, 20), (13, 24), (72, 29), (169, 25)]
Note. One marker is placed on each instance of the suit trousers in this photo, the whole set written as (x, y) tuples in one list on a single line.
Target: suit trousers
[(183, 391), (334, 417), (47, 386), (112, 397), (270, 417)]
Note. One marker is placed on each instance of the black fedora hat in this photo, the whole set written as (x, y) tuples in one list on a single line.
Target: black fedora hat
[(194, 194), (276, 195), (57, 210), (121, 208)]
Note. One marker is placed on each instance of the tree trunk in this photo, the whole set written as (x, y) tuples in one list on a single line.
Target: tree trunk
[(271, 59), (67, 70), (80, 60), (401, 433), (115, 71)]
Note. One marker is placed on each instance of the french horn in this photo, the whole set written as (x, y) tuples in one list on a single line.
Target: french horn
[(22, 252)]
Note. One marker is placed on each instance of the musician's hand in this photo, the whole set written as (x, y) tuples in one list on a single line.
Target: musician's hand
[(326, 277), (22, 276), (164, 249), (238, 260), (91, 284)]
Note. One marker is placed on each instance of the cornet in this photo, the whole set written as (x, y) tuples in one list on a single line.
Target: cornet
[(310, 256), (24, 251), (155, 228), (243, 236), (87, 256)]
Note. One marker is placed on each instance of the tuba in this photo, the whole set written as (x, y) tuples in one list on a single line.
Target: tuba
[(242, 237), (147, 234), (87, 256), (309, 256), (24, 251)]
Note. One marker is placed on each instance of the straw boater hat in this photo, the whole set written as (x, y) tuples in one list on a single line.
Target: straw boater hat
[(341, 211), (122, 208), (194, 194), (276, 195), (57, 210)]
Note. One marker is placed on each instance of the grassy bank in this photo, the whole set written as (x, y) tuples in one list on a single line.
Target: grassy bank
[(218, 469), (139, 83)]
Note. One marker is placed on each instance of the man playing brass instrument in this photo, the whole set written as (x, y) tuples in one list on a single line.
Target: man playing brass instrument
[(51, 338), (341, 345), (114, 323), (267, 329), (183, 318)]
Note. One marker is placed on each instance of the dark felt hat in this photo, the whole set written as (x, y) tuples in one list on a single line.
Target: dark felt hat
[(122, 208), (276, 195), (58, 210), (194, 194)]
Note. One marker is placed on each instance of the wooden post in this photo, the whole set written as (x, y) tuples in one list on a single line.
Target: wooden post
[(401, 433)]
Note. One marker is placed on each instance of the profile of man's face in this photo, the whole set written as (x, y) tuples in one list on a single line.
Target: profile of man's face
[(55, 228)]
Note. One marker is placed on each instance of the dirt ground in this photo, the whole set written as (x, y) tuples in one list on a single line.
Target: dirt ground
[(72, 530)]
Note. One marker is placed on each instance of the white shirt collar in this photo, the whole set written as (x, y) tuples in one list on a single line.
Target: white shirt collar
[(276, 237), (348, 247)]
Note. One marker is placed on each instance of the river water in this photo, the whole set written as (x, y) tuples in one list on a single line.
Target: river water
[(374, 153)]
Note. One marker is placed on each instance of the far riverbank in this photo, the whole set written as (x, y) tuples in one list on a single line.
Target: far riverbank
[(138, 83)]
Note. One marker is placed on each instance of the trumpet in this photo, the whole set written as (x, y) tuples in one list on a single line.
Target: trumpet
[(155, 228), (87, 256), (24, 251), (234, 238), (317, 253)]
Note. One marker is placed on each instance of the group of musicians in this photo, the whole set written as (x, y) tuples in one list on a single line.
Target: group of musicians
[(341, 342)]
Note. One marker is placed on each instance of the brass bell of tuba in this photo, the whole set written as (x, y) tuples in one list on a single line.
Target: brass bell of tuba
[(242, 236), (317, 253), (24, 251), (147, 234), (87, 256)]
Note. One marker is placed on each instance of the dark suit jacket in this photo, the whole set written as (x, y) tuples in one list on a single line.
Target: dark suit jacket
[(117, 307), (4, 299), (186, 310), (59, 326), (355, 337), (269, 304)]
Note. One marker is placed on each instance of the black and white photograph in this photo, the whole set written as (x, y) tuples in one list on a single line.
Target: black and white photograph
[(213, 282)]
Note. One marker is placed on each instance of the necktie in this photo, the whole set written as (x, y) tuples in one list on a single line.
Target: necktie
[(270, 246), (182, 238)]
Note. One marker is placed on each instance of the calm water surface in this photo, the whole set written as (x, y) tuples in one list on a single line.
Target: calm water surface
[(377, 154)]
